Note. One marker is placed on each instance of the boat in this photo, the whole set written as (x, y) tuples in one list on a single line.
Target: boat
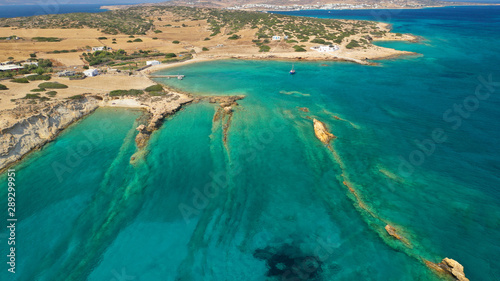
[(292, 72)]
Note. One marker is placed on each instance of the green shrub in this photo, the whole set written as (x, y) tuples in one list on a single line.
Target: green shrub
[(76, 97), (38, 77), (175, 42), (138, 40), (158, 31), (206, 39), (170, 55), (154, 88), (352, 44), (264, 48), (31, 96), (234, 37), (157, 93), (52, 85), (292, 41), (20, 80), (131, 36), (103, 38), (44, 63), (299, 48), (318, 40), (37, 90), (155, 38), (86, 67), (204, 49), (131, 92), (51, 93), (46, 39), (3, 87), (129, 41)]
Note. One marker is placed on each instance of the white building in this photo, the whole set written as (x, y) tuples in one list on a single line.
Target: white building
[(95, 49), (65, 73), (91, 72), (325, 48), (153, 62), (30, 63), (7, 67), (276, 37)]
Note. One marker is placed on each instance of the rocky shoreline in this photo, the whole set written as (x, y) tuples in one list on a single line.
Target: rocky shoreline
[(37, 126)]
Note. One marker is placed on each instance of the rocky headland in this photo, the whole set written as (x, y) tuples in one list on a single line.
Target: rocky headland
[(31, 126), (38, 124)]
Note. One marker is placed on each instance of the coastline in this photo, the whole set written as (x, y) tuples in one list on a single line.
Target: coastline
[(379, 101), (294, 9), (135, 102), (393, 8), (101, 85), (33, 131)]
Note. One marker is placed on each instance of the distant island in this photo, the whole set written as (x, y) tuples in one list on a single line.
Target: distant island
[(293, 5)]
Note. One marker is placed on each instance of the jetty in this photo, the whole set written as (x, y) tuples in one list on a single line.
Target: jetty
[(178, 76)]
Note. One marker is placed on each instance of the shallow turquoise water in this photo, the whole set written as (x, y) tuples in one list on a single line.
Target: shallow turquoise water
[(271, 205)]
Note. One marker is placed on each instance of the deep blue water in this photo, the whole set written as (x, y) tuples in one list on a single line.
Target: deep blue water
[(12, 11), (271, 204)]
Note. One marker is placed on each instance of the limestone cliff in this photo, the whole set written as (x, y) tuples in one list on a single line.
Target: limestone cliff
[(41, 126)]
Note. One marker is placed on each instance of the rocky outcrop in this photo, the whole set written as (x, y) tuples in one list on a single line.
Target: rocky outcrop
[(224, 113), (224, 101), (158, 107), (30, 132), (449, 267), (392, 232), (142, 137), (322, 132), (455, 268)]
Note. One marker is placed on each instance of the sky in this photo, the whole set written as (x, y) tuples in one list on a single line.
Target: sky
[(54, 2), (107, 2)]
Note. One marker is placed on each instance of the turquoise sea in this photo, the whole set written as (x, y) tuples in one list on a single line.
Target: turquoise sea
[(417, 142), (47, 8)]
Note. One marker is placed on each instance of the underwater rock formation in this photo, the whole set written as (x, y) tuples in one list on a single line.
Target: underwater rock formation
[(289, 263)]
